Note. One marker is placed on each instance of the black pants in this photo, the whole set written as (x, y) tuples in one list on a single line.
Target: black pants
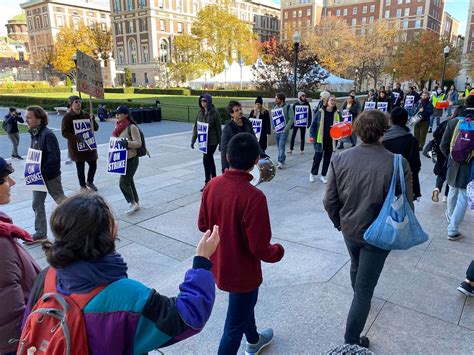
[(302, 137), (440, 179), (208, 162), (81, 167), (367, 263), (240, 320), (318, 156), (470, 272)]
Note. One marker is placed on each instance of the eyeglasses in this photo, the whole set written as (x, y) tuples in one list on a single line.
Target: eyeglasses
[(203, 100)]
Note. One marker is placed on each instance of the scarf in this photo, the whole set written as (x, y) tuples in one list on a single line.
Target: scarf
[(9, 230), (120, 126)]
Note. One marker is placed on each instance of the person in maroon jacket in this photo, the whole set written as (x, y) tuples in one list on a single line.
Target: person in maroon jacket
[(241, 212)]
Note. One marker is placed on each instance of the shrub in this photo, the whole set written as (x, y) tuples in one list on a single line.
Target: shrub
[(54, 81), (224, 113), (68, 82), (232, 93), (128, 77), (34, 90), (158, 91)]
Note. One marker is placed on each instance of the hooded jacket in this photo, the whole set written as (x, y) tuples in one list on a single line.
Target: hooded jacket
[(12, 123), (213, 118), (18, 273), (427, 109), (68, 133), (42, 138)]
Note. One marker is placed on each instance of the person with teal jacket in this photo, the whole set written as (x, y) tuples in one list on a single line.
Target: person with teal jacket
[(323, 144), (282, 130)]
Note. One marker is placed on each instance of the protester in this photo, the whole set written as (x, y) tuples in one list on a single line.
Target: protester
[(468, 90), (358, 182), (467, 286), (127, 130), (323, 144), (302, 101), (237, 124), (452, 97), (352, 106), (85, 154), (209, 115), (399, 140), (102, 113), (323, 100), (241, 212), (384, 98), (11, 128), (459, 174), (19, 269), (43, 139), (412, 92), (282, 136), (262, 113), (437, 96), (126, 316), (397, 101), (370, 98), (425, 109)]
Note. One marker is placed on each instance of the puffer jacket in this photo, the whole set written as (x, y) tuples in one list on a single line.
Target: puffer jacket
[(211, 117)]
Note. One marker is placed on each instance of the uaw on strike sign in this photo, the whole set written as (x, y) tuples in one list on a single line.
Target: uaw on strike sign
[(89, 76)]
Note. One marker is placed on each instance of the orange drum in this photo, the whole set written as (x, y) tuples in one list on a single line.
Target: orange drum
[(340, 130), (442, 104)]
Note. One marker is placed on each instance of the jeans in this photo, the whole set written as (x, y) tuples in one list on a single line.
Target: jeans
[(240, 320), (15, 139), (127, 185), (208, 162), (421, 129), (325, 156), (281, 139), (55, 189), (470, 272), (439, 184), (302, 137), (457, 205), (432, 118), (81, 167), (367, 262)]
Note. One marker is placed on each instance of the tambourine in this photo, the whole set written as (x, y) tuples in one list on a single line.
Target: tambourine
[(263, 171)]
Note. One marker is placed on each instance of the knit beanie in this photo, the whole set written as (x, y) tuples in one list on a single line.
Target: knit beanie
[(301, 93), (259, 100), (324, 94)]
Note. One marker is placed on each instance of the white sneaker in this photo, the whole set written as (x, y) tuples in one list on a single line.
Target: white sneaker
[(134, 207), (312, 177), (301, 151), (279, 165), (289, 152), (323, 179), (445, 199)]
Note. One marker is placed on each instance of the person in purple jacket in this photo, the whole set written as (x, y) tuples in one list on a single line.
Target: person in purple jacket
[(126, 317)]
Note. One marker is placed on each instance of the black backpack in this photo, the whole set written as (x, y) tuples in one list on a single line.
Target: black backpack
[(142, 151)]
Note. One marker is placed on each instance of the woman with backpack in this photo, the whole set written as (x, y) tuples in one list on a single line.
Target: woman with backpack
[(19, 269), (129, 134), (108, 313)]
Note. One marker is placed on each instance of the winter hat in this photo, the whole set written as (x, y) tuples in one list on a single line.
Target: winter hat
[(122, 109), (324, 94), (5, 169), (72, 98), (399, 116), (259, 100), (301, 93)]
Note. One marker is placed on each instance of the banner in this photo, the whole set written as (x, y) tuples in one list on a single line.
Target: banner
[(202, 134), (369, 106), (33, 177), (117, 159), (396, 96), (346, 116), (382, 106), (278, 120), (301, 115), (85, 135), (89, 75), (257, 126), (409, 101)]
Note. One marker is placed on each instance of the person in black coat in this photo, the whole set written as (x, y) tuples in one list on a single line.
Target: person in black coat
[(263, 114), (11, 127), (399, 140), (302, 101), (440, 168), (383, 97)]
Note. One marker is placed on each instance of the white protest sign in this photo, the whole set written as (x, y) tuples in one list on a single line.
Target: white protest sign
[(346, 116), (117, 157), (85, 135), (369, 106), (409, 101), (278, 120), (301, 115), (382, 106), (202, 135), (257, 126), (396, 95), (89, 75), (33, 177)]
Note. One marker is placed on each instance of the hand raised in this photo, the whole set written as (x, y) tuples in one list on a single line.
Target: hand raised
[(208, 243)]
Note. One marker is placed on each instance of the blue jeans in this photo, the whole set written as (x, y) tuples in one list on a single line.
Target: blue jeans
[(240, 320), (457, 205), (432, 118), (281, 139)]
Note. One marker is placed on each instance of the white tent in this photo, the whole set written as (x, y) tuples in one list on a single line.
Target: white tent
[(230, 77), (336, 83)]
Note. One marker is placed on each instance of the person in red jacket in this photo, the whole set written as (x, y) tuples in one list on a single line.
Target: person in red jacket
[(241, 212)]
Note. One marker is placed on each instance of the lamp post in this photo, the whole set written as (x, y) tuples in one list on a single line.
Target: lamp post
[(446, 55), (296, 46), (74, 59), (357, 78), (394, 74)]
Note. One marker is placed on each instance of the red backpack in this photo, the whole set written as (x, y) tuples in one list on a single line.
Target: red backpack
[(56, 324)]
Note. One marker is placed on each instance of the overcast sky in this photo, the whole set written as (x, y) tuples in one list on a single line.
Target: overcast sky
[(457, 8)]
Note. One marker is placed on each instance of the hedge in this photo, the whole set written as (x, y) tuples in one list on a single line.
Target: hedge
[(231, 93), (25, 85), (35, 90), (157, 91), (119, 90)]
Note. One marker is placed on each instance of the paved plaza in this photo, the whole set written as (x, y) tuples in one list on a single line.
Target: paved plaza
[(306, 297)]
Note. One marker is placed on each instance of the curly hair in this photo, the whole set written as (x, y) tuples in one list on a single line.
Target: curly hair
[(371, 125), (83, 227)]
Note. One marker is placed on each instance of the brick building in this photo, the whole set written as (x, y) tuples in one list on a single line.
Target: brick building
[(449, 27), (301, 16)]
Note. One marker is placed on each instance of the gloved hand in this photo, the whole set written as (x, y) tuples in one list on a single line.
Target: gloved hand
[(124, 143), (192, 145), (79, 138)]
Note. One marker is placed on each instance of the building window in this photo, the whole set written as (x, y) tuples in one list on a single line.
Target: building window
[(134, 78), (117, 7), (387, 2), (364, 20), (338, 12), (286, 15), (161, 4), (345, 12), (132, 51), (419, 10), (300, 13), (294, 13), (399, 12), (179, 5), (354, 11), (145, 55), (45, 21), (196, 8), (145, 77), (162, 26), (130, 5), (103, 26), (371, 19), (59, 21), (418, 23), (472, 45), (329, 13), (405, 23), (143, 25), (76, 21), (362, 31), (308, 12), (364, 9), (387, 13), (372, 8), (163, 51), (120, 55), (407, 11), (131, 26), (141, 4), (400, 2), (354, 22), (37, 22), (180, 27), (118, 28), (30, 25)]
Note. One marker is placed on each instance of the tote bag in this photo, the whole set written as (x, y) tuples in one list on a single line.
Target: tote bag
[(396, 226)]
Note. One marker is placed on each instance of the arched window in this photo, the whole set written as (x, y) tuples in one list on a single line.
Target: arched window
[(132, 51), (164, 49)]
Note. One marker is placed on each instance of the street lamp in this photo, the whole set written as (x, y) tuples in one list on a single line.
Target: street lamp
[(446, 54), (394, 73), (296, 46), (357, 78), (74, 59)]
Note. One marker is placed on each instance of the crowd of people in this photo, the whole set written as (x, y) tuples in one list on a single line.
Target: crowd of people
[(88, 274)]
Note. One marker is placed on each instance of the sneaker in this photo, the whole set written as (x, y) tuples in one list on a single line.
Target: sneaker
[(323, 179), (266, 337), (430, 130), (312, 177), (17, 157), (301, 152), (36, 239), (279, 165), (435, 195), (289, 152), (456, 236), (69, 161), (91, 186), (364, 342), (466, 289), (134, 207), (445, 199), (448, 218), (340, 146), (84, 190)]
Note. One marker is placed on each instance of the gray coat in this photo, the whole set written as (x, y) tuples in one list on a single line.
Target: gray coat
[(459, 174), (358, 183)]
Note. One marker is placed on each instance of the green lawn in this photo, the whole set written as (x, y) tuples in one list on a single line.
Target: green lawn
[(23, 128)]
